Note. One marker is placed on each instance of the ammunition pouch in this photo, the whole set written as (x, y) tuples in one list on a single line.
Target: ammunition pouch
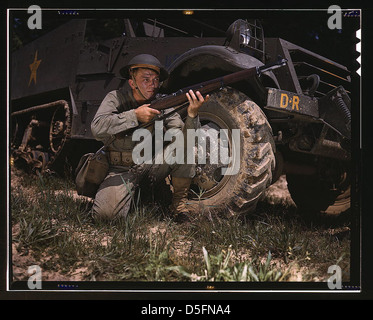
[(118, 158)]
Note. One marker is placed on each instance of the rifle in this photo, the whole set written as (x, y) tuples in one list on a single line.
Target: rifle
[(179, 97)]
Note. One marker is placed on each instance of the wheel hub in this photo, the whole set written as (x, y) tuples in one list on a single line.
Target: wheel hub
[(209, 178)]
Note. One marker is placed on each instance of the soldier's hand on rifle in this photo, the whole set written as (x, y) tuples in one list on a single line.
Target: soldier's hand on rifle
[(195, 102), (145, 114)]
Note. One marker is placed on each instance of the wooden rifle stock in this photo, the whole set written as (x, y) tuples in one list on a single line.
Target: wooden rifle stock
[(206, 87)]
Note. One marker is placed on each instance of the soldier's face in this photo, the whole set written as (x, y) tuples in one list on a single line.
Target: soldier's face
[(147, 82)]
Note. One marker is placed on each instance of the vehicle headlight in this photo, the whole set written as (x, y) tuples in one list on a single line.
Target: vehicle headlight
[(239, 31), (245, 34)]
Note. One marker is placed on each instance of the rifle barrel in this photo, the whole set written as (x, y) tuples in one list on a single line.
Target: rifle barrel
[(179, 97)]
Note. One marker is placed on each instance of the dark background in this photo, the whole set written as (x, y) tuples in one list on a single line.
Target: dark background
[(306, 28)]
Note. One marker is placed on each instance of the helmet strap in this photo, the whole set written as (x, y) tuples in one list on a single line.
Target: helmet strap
[(136, 86)]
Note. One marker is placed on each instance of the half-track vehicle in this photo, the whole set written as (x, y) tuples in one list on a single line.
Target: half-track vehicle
[(295, 120)]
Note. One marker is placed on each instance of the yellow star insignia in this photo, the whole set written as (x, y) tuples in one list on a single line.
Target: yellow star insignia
[(33, 67)]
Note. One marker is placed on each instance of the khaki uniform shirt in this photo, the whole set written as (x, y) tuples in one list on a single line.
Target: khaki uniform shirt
[(117, 113)]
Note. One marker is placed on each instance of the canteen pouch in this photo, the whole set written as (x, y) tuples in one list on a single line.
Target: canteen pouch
[(90, 172)]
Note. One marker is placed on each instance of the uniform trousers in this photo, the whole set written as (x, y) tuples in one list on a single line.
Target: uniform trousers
[(116, 193)]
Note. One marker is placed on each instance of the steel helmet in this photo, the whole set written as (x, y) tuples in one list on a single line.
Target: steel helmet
[(144, 61)]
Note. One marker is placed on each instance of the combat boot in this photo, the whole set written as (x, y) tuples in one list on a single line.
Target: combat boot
[(179, 200)]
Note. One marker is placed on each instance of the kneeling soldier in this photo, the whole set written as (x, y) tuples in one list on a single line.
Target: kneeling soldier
[(127, 108)]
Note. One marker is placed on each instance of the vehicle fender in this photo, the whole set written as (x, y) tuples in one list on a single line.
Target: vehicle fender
[(212, 61)]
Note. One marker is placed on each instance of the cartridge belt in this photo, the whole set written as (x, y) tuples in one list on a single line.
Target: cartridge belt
[(121, 158)]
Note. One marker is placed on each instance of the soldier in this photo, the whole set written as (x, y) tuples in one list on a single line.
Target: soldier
[(127, 108)]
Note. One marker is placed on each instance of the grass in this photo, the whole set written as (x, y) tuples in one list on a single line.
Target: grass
[(52, 226)]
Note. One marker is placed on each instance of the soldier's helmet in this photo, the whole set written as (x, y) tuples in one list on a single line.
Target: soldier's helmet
[(144, 61)]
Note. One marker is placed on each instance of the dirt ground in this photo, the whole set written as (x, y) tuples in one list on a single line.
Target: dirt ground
[(277, 194)]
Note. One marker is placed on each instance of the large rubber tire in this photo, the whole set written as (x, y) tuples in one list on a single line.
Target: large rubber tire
[(239, 193), (320, 195)]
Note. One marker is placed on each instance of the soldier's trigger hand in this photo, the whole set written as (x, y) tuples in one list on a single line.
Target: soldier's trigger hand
[(146, 114)]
